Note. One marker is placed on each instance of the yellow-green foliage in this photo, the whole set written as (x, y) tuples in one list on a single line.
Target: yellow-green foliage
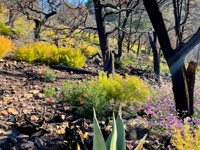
[(96, 39), (50, 33), (187, 141), (4, 30), (71, 57), (88, 49), (70, 41), (164, 68), (151, 58), (19, 30), (198, 68), (132, 88), (20, 23), (45, 52), (186, 65), (5, 46)]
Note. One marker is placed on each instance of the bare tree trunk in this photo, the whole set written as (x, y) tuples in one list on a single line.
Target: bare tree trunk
[(155, 55), (12, 17), (108, 59), (138, 49)]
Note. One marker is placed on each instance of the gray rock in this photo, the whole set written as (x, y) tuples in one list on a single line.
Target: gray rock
[(131, 134), (38, 142), (26, 145)]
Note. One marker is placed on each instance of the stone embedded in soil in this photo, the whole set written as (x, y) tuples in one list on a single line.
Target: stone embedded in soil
[(34, 118), (22, 136), (27, 96), (3, 113), (28, 144), (34, 91), (39, 143), (12, 111), (60, 131)]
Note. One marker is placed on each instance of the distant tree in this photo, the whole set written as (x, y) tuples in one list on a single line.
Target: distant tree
[(32, 11)]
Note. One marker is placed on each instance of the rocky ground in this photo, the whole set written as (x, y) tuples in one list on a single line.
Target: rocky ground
[(28, 120)]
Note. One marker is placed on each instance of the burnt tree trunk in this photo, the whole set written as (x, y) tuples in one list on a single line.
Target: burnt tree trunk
[(138, 49), (155, 55), (108, 60), (12, 17), (37, 29), (183, 93)]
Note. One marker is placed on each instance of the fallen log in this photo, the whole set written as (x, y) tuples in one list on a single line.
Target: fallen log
[(77, 70)]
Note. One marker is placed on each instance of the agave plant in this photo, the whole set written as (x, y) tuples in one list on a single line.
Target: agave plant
[(116, 139)]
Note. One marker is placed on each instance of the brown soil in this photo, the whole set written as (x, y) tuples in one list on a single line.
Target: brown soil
[(21, 92)]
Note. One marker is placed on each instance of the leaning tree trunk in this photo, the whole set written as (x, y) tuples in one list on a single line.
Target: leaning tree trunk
[(108, 60)]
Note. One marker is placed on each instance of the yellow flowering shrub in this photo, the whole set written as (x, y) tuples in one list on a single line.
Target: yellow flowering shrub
[(50, 33), (45, 52), (1, 15), (5, 46), (70, 41), (151, 58), (132, 88), (187, 141), (88, 49), (96, 39)]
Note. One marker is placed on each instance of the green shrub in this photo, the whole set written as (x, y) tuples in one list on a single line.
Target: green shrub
[(129, 90), (19, 31), (86, 96), (119, 64), (48, 74), (4, 30), (49, 92)]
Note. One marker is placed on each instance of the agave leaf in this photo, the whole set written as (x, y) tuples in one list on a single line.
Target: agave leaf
[(111, 142), (98, 141), (121, 143), (140, 145)]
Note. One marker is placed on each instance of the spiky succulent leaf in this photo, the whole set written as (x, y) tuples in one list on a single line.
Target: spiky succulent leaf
[(111, 142), (121, 144), (140, 145), (98, 141)]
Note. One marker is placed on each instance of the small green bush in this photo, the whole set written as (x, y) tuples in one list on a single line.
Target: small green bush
[(19, 31), (85, 96), (4, 30), (49, 92), (120, 64), (48, 74)]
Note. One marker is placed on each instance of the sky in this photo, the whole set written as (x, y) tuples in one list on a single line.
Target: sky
[(77, 1)]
